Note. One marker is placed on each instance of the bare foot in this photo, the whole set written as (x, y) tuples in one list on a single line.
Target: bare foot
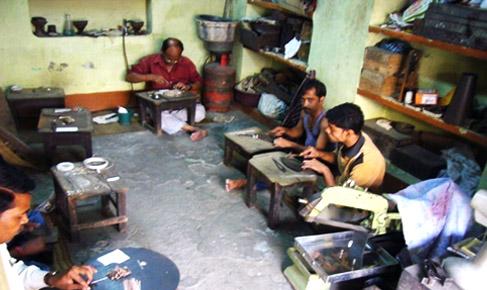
[(198, 135), (231, 184)]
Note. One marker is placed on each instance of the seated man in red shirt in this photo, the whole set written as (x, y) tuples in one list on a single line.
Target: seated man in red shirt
[(170, 70)]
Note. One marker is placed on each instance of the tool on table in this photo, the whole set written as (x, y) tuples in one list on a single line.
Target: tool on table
[(292, 162), (259, 136), (279, 165), (116, 274)]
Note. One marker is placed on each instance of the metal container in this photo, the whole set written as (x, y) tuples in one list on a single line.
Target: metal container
[(218, 87), (376, 260), (214, 28), (218, 33)]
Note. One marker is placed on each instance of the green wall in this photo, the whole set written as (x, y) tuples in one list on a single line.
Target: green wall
[(337, 46), (84, 64), (106, 13)]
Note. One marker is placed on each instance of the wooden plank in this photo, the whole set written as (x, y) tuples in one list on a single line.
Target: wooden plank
[(278, 7), (438, 123), (450, 47), (296, 64), (103, 223)]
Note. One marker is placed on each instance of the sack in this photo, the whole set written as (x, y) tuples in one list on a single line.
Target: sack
[(271, 106)]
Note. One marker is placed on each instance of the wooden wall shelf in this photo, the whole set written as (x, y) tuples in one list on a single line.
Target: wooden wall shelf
[(294, 63), (438, 123), (409, 37), (278, 7)]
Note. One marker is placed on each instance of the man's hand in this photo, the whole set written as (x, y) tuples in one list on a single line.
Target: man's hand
[(279, 131), (158, 79), (76, 278), (310, 152), (181, 86), (283, 143), (315, 165)]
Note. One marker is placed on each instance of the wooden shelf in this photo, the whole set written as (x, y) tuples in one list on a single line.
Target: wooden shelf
[(409, 37), (279, 57), (438, 123), (278, 7)]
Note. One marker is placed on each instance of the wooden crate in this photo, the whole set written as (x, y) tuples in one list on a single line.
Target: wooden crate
[(383, 61), (378, 83)]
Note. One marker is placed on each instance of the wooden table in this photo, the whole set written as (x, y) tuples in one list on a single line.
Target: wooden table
[(157, 271), (26, 104), (55, 131), (81, 184), (243, 143), (263, 168), (150, 108)]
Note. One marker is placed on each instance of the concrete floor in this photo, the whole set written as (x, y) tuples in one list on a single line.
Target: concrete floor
[(177, 206)]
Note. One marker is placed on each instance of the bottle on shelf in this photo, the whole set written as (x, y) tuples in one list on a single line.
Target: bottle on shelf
[(68, 25)]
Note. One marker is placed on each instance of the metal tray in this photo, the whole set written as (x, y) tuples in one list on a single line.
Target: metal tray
[(375, 259)]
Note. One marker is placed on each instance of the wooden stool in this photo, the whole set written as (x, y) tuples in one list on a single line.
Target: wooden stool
[(243, 143), (80, 184), (263, 168), (150, 109), (56, 130)]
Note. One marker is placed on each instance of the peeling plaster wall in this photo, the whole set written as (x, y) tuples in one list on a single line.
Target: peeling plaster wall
[(84, 64)]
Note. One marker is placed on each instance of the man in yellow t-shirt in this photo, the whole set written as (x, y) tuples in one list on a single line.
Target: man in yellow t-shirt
[(356, 156)]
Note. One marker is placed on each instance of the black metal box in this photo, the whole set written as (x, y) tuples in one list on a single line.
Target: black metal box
[(418, 161), (457, 24), (385, 140), (259, 39), (26, 104)]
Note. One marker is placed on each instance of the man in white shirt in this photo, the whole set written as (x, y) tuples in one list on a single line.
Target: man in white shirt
[(15, 275)]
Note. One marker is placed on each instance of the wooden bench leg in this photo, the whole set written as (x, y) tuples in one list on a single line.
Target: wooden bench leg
[(86, 142), (157, 120), (191, 113), (49, 147), (251, 191), (228, 153), (143, 113), (275, 206), (122, 210), (73, 219)]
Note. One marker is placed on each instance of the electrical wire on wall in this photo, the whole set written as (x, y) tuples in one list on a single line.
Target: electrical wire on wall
[(124, 50)]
